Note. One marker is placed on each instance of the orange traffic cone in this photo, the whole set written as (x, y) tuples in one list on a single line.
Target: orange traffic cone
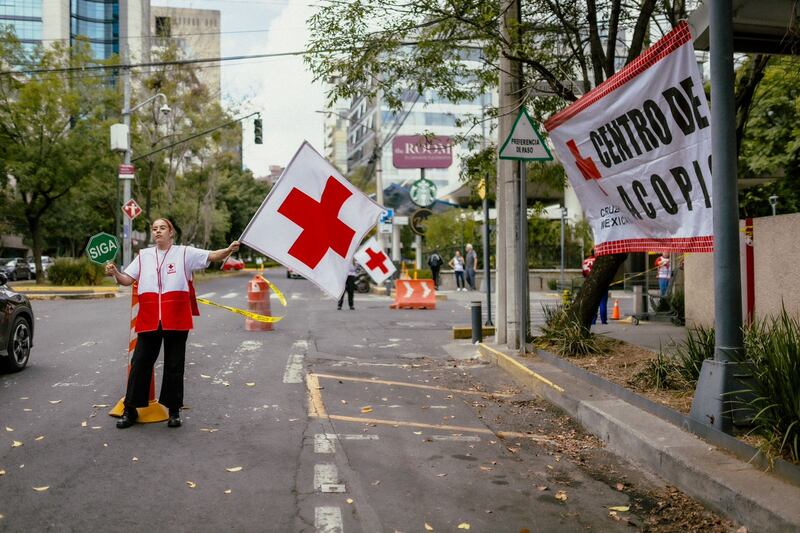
[(615, 311)]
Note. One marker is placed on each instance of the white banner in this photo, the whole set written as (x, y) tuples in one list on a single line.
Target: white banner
[(312, 221), (637, 151)]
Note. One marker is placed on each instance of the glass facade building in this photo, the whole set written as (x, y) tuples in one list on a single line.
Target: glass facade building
[(25, 18), (97, 21)]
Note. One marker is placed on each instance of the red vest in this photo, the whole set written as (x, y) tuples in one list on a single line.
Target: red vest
[(164, 290)]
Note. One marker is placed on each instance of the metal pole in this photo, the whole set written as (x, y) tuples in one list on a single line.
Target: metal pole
[(477, 329), (522, 251), (712, 402), (126, 184), (487, 271), (563, 214)]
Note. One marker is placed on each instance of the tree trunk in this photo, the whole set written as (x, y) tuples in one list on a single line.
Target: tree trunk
[(603, 272)]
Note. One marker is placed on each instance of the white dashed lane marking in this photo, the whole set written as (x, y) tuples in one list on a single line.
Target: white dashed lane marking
[(207, 295), (230, 295), (294, 369), (326, 478), (326, 442), (328, 520), (460, 438)]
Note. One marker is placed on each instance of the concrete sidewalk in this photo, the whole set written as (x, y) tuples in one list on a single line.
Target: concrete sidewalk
[(734, 487)]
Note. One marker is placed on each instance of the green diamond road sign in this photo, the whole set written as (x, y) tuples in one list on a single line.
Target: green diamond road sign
[(423, 192), (102, 248)]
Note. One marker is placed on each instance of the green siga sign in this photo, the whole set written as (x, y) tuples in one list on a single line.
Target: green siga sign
[(102, 248)]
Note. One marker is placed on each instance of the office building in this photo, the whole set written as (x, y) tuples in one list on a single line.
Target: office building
[(196, 34)]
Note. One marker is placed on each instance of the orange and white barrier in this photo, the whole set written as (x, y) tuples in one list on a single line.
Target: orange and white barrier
[(414, 294), (258, 303), (154, 412)]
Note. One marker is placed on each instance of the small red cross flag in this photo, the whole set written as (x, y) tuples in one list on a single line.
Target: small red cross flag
[(375, 262), (312, 221)]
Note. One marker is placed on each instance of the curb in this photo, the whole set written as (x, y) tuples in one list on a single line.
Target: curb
[(71, 296), (728, 485)]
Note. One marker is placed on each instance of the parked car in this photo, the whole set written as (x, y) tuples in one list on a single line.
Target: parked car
[(233, 264), (47, 262), (291, 274), (15, 268), (16, 328)]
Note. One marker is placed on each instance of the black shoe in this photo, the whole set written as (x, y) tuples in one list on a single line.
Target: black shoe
[(352, 308), (339, 308), (127, 419), (174, 420)]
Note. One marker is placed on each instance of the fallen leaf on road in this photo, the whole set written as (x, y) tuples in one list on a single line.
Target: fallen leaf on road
[(9, 429), (2, 472), (376, 483), (97, 427), (84, 424), (417, 433), (55, 401), (561, 496), (542, 488), (100, 405), (16, 444), (428, 527), (512, 450), (251, 384), (440, 475), (134, 459), (620, 487), (366, 409), (27, 410), (40, 437), (207, 430), (621, 508), (463, 525), (614, 515), (191, 484), (228, 491), (343, 401), (486, 468), (41, 489), (204, 376), (349, 500), (234, 469)]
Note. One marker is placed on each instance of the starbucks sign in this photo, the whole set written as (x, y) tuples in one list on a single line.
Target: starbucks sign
[(423, 192)]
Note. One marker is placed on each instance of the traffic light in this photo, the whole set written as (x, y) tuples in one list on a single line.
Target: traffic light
[(257, 131)]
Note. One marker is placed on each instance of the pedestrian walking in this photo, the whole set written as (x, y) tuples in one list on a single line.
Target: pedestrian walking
[(664, 273), (586, 270), (457, 264), (435, 261), (471, 266), (166, 305), (349, 288)]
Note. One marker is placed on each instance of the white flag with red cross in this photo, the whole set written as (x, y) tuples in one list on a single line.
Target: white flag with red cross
[(375, 261), (312, 221)]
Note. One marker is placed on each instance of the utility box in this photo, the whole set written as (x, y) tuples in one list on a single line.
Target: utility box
[(119, 137)]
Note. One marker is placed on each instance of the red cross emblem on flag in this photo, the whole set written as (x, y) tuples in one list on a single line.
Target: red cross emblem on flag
[(312, 221), (374, 260)]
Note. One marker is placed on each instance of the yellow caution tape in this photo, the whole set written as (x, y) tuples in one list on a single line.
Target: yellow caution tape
[(278, 293), (248, 314)]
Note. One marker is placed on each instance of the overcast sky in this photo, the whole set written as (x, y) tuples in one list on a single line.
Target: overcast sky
[(281, 88)]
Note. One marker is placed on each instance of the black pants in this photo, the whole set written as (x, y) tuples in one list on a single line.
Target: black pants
[(435, 274), (148, 345), (349, 288), (471, 278)]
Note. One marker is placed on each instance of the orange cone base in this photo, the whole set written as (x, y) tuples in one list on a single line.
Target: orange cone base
[(155, 412)]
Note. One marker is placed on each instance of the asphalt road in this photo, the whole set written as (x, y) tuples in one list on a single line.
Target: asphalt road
[(338, 421)]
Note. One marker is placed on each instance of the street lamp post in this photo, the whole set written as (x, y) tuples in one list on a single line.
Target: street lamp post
[(126, 180)]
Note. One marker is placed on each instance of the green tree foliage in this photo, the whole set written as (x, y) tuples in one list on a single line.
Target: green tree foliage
[(451, 231), (771, 143), (51, 125)]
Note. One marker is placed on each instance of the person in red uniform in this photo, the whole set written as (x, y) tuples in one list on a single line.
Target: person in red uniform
[(164, 276), (586, 268)]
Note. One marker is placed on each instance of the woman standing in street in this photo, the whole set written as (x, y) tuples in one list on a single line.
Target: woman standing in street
[(457, 264), (164, 275)]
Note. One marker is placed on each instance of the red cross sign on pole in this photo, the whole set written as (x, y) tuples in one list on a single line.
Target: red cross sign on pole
[(131, 209), (374, 260), (312, 221)]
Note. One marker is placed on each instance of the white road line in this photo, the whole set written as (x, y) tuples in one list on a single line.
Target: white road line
[(294, 369), (230, 295), (438, 407), (300, 345), (326, 478), (328, 520), (249, 346), (461, 438), (207, 295), (356, 436), (324, 444)]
